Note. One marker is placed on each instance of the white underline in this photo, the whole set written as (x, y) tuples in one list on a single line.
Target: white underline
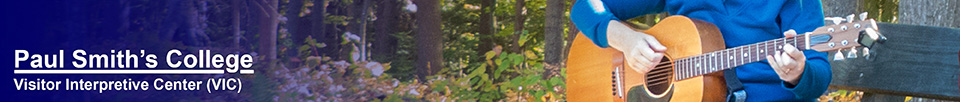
[(246, 71), (205, 71)]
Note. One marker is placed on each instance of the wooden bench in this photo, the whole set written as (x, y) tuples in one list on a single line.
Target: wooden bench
[(915, 60)]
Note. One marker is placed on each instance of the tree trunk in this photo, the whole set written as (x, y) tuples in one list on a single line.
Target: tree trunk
[(236, 23), (649, 19), (362, 30), (293, 21), (487, 26), (318, 12), (840, 8), (572, 32), (429, 52), (183, 23), (384, 44), (553, 35), (354, 26), (518, 9), (880, 10), (553, 32), (942, 13), (328, 34), (267, 20)]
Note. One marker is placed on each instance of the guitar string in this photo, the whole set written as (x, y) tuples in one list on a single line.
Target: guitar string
[(756, 45), (780, 40), (795, 40)]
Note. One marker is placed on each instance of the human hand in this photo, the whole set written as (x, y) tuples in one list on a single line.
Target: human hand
[(641, 51), (789, 63)]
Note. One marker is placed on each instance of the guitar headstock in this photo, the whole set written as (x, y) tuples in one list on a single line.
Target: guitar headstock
[(850, 35)]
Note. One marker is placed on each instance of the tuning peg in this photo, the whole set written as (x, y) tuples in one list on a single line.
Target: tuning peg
[(863, 16), (835, 20), (866, 53), (838, 56), (852, 53), (850, 18)]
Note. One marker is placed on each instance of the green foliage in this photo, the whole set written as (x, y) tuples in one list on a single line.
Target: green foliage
[(309, 48), (261, 91), (881, 10), (497, 75), (323, 79), (516, 77), (337, 19), (460, 40), (403, 59), (842, 96), (468, 74)]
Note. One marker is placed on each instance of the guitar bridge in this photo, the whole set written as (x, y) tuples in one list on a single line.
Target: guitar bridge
[(617, 84)]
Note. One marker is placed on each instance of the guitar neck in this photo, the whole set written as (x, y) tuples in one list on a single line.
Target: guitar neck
[(729, 58)]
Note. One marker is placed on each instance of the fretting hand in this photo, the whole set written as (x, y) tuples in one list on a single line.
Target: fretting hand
[(789, 63)]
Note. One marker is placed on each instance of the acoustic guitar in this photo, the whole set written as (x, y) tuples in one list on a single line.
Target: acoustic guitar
[(691, 69)]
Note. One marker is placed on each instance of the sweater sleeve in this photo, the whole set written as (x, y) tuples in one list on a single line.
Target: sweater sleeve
[(815, 78), (592, 16), (805, 16)]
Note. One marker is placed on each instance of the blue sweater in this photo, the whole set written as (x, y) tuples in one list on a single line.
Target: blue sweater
[(742, 22)]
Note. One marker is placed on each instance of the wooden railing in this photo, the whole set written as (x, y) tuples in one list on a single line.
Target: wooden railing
[(919, 61)]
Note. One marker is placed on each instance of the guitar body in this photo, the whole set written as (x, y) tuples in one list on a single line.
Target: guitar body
[(592, 73)]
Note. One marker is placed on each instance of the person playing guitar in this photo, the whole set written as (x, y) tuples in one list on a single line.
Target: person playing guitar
[(789, 75)]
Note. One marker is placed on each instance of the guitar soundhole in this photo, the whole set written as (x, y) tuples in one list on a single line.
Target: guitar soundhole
[(660, 78)]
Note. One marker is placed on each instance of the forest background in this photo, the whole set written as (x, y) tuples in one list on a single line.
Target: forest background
[(391, 50)]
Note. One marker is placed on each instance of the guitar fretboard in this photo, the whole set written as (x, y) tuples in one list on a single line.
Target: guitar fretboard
[(732, 57)]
